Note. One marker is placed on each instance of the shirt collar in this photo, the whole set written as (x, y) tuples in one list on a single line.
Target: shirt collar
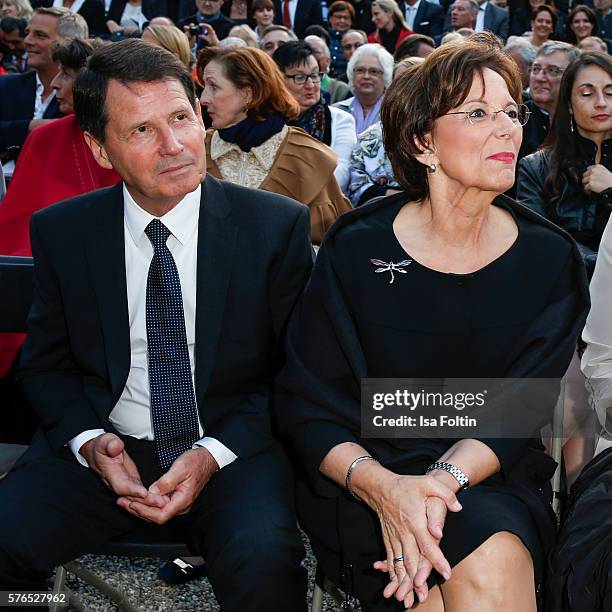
[(182, 220), (483, 6), (413, 6)]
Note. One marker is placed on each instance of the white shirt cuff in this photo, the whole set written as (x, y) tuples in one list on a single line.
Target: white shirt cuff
[(221, 454), (78, 441)]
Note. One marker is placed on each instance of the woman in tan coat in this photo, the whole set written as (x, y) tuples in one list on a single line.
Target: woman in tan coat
[(250, 143)]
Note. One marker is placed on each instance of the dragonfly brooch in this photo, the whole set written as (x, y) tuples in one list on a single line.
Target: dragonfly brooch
[(391, 267)]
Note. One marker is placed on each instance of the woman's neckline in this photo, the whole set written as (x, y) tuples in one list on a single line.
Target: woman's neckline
[(493, 262)]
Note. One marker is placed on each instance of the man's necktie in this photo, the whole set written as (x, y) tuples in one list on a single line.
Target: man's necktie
[(173, 406), (286, 14)]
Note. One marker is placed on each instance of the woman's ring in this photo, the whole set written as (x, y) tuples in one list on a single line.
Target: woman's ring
[(398, 559)]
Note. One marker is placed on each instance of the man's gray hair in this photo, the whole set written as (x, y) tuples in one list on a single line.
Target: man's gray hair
[(352, 31), (279, 28), (382, 55), (232, 41), (552, 46), (317, 39), (69, 24), (523, 47)]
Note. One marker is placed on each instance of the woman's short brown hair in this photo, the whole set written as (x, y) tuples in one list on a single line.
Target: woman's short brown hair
[(249, 67), (259, 5), (424, 93), (341, 5)]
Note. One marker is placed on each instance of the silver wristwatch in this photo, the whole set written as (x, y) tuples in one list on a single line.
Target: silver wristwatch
[(461, 478)]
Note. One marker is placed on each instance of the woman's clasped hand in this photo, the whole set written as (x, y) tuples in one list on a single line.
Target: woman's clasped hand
[(411, 511)]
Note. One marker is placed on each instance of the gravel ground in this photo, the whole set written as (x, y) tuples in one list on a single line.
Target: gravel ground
[(138, 578)]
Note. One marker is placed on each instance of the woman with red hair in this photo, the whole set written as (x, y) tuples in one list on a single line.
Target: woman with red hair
[(250, 142)]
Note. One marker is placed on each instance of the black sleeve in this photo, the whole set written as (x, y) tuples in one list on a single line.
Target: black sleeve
[(51, 379), (544, 352), (530, 184), (318, 392), (242, 429)]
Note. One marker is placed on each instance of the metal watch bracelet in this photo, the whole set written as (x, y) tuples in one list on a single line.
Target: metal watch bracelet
[(462, 479)]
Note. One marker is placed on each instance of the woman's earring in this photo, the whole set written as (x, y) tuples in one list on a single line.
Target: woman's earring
[(571, 123), (431, 168)]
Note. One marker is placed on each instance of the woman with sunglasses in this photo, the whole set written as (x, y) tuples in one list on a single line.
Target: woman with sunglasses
[(329, 125)]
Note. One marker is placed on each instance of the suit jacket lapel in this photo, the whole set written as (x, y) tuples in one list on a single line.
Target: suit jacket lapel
[(217, 235), (419, 15), (488, 17), (52, 111), (105, 249)]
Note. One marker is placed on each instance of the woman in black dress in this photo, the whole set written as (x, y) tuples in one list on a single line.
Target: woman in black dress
[(448, 279)]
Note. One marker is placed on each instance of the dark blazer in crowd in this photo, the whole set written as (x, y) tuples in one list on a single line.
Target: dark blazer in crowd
[(496, 20), (92, 11), (221, 26), (583, 215), (605, 24), (429, 19), (536, 130), (17, 100), (150, 9), (580, 570), (307, 13), (363, 16)]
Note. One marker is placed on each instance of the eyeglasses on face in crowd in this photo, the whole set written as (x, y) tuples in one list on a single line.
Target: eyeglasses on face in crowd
[(519, 115), (300, 79), (549, 71), (375, 72), (349, 46)]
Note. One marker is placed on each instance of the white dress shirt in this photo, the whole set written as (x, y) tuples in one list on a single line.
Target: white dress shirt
[(481, 17), (40, 105), (343, 139), (77, 4), (411, 12), (131, 416), (597, 358)]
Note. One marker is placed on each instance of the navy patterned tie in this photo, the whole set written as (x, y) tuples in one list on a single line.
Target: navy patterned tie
[(173, 406)]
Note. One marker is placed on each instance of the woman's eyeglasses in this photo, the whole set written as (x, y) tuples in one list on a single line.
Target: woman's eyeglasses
[(480, 116), (375, 72), (300, 79)]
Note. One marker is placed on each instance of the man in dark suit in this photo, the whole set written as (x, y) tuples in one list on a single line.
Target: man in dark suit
[(423, 17), (153, 342), (487, 17), (27, 100), (297, 15), (92, 11), (491, 18)]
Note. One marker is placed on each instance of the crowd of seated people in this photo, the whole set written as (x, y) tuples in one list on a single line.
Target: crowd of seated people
[(323, 104)]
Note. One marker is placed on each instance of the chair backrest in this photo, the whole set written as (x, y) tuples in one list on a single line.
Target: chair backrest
[(16, 282)]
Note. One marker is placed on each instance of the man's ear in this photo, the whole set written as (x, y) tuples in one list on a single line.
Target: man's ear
[(98, 151)]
